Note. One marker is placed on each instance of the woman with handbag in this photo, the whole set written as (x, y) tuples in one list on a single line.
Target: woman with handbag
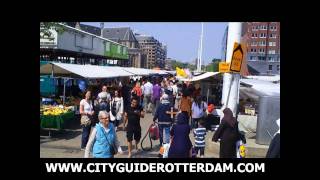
[(86, 111), (116, 109), (103, 140)]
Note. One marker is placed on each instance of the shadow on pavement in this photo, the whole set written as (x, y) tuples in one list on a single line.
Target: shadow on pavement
[(56, 135)]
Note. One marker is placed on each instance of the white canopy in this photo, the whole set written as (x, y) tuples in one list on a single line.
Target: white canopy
[(265, 78), (137, 71), (202, 76), (161, 72), (142, 71), (85, 71), (265, 87)]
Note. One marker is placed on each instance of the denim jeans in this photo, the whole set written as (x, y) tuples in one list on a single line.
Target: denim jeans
[(146, 102), (164, 132), (194, 123), (85, 136), (155, 106)]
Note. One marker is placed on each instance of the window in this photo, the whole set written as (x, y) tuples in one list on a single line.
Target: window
[(272, 52), (270, 67), (263, 35), (272, 43), (107, 46), (124, 50), (119, 49), (278, 67), (252, 35)]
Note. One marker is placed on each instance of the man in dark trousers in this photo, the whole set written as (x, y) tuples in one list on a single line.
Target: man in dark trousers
[(164, 119), (132, 123), (274, 148)]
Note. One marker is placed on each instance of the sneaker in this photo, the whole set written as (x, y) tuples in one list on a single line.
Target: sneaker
[(82, 149), (120, 150)]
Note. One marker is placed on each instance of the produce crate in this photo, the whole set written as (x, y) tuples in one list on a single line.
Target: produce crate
[(56, 122)]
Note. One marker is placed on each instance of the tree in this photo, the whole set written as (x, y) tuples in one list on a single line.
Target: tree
[(216, 60), (45, 28), (213, 67)]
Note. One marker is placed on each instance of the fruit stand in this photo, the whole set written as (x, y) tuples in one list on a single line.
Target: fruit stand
[(55, 117)]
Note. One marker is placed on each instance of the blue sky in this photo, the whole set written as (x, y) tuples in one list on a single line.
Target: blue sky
[(181, 38)]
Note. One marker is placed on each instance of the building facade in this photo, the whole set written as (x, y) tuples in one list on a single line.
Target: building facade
[(77, 46), (262, 46), (155, 52), (168, 64), (125, 36)]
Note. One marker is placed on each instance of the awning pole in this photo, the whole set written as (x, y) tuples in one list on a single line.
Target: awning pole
[(64, 90), (51, 70), (208, 95)]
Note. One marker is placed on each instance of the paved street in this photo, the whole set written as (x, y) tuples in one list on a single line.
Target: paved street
[(66, 143)]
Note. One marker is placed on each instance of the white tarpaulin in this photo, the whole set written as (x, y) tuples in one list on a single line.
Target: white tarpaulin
[(265, 78), (85, 71), (142, 71), (161, 72), (265, 87), (202, 76)]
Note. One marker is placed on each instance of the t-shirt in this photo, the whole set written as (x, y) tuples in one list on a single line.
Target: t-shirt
[(108, 96), (147, 88), (87, 107), (133, 117), (197, 112), (199, 136), (156, 91)]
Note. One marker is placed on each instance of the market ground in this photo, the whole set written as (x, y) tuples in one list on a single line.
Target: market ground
[(66, 143)]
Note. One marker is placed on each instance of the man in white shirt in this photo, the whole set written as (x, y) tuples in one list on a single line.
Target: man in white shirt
[(174, 91), (147, 93), (102, 94)]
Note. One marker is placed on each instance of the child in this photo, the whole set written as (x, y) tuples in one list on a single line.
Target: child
[(199, 136)]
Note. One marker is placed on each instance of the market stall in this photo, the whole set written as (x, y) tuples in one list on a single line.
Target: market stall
[(57, 117)]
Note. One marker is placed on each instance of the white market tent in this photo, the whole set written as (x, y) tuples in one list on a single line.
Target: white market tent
[(68, 71), (161, 72), (200, 77), (143, 72), (263, 87), (94, 72), (84, 71), (265, 78), (137, 71)]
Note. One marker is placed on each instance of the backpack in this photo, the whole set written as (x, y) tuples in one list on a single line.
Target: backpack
[(104, 106)]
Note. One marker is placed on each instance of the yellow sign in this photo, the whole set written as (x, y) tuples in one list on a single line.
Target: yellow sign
[(224, 67), (237, 57)]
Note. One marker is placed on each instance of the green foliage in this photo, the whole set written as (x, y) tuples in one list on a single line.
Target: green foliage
[(46, 26)]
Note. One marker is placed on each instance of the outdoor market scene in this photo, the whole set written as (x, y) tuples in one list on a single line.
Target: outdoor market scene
[(112, 92)]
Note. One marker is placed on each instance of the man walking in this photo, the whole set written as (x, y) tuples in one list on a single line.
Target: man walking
[(132, 123)]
